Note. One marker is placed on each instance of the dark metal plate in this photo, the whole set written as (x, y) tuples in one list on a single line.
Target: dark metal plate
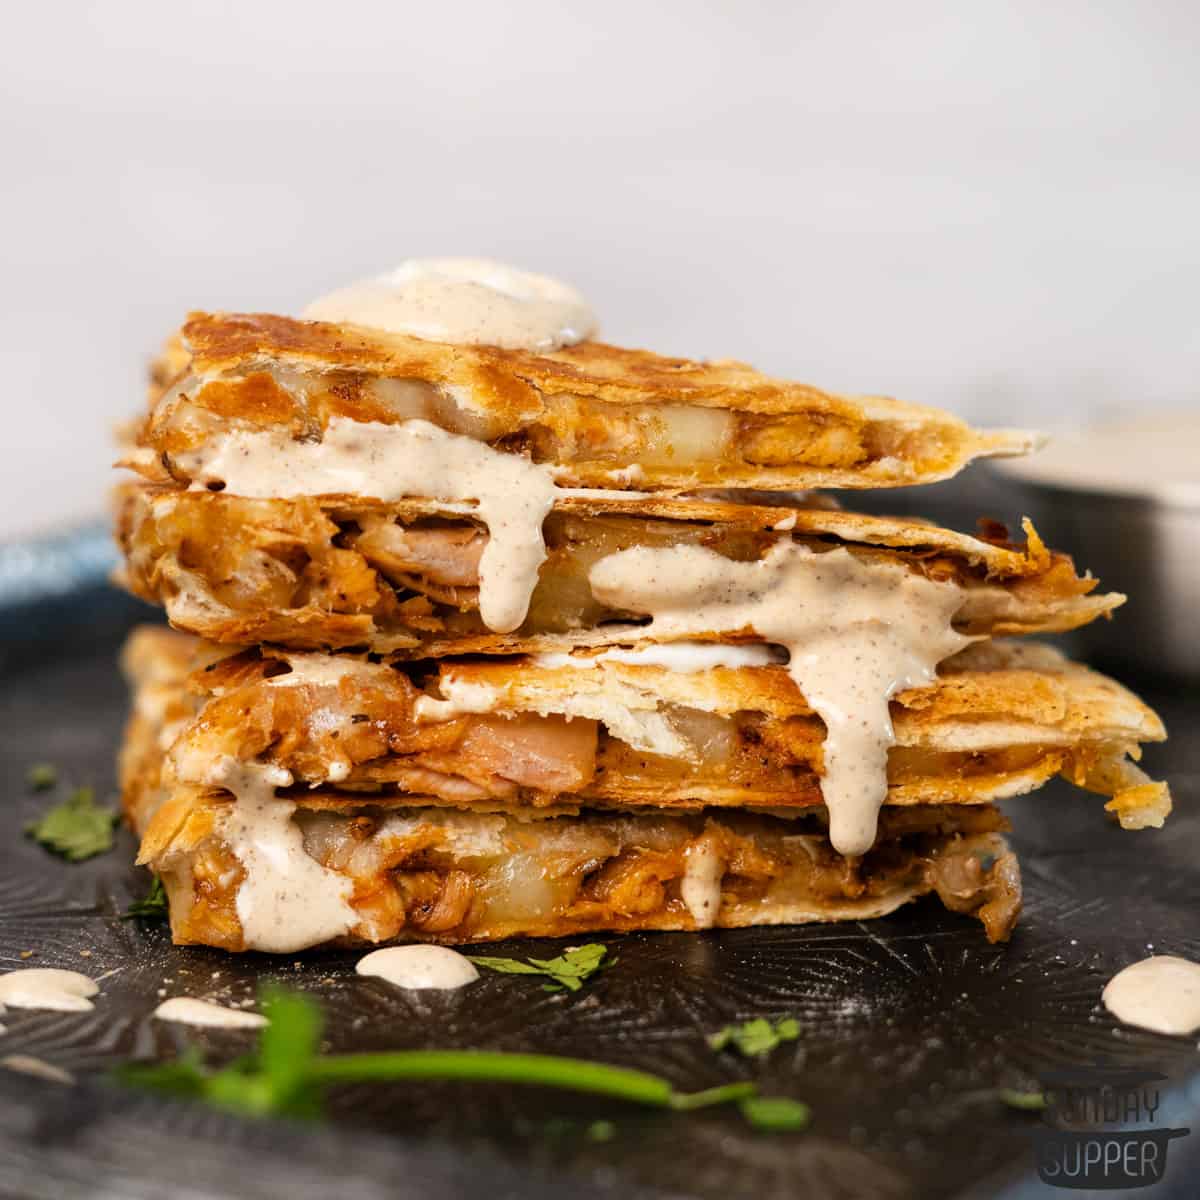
[(908, 1022)]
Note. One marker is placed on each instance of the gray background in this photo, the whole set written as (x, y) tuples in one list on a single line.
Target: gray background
[(992, 207)]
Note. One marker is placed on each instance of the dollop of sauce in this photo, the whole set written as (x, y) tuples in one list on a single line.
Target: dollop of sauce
[(287, 900), (1160, 993), (1158, 457), (47, 988), (205, 1013), (857, 632), (464, 301), (419, 968), (39, 1068), (391, 462)]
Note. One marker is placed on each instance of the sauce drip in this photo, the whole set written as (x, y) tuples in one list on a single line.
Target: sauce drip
[(857, 632), (206, 1014), (419, 968), (287, 900), (47, 988), (1161, 993), (391, 462), (464, 301)]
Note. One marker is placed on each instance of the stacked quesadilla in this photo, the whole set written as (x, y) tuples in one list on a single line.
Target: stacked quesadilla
[(479, 641)]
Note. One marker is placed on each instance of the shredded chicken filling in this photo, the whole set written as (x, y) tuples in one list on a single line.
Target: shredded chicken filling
[(305, 574), (452, 877)]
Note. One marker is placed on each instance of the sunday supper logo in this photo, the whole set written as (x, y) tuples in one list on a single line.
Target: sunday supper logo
[(1102, 1130)]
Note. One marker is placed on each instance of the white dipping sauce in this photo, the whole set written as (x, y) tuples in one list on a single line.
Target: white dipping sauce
[(1160, 993), (205, 1013), (1158, 456), (47, 988), (858, 632), (465, 301), (419, 968)]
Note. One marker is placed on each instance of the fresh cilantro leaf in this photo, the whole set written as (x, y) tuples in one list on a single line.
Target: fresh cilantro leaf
[(756, 1038), (151, 907), (78, 828), (775, 1114), (1026, 1101), (567, 972), (505, 966), (41, 777)]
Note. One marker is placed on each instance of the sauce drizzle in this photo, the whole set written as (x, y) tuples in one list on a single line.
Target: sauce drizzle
[(391, 462), (857, 632)]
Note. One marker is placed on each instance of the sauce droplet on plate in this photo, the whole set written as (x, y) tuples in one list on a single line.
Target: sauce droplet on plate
[(419, 968), (47, 988), (1160, 993), (205, 1013)]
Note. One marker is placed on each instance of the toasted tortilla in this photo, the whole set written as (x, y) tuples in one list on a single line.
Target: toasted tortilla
[(598, 414), (438, 875), (331, 574), (516, 735)]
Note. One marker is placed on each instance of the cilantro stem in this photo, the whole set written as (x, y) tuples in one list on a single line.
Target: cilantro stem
[(725, 1094), (539, 1070)]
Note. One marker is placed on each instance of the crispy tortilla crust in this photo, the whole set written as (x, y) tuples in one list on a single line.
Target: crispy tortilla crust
[(1001, 721), (313, 574), (436, 875), (576, 408)]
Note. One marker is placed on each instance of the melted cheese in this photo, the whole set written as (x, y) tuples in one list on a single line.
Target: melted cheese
[(857, 632), (206, 1014), (464, 300), (287, 900), (1161, 993), (391, 462), (419, 968), (47, 988)]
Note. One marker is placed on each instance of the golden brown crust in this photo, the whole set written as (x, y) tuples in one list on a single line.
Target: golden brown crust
[(589, 409)]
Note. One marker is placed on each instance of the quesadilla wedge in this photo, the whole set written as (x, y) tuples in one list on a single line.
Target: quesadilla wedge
[(404, 578)]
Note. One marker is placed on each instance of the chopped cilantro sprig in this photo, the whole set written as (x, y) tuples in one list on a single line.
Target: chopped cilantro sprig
[(78, 828), (151, 907), (287, 1075), (567, 972), (756, 1038)]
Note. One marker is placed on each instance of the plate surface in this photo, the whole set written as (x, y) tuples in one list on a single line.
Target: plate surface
[(909, 1023)]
